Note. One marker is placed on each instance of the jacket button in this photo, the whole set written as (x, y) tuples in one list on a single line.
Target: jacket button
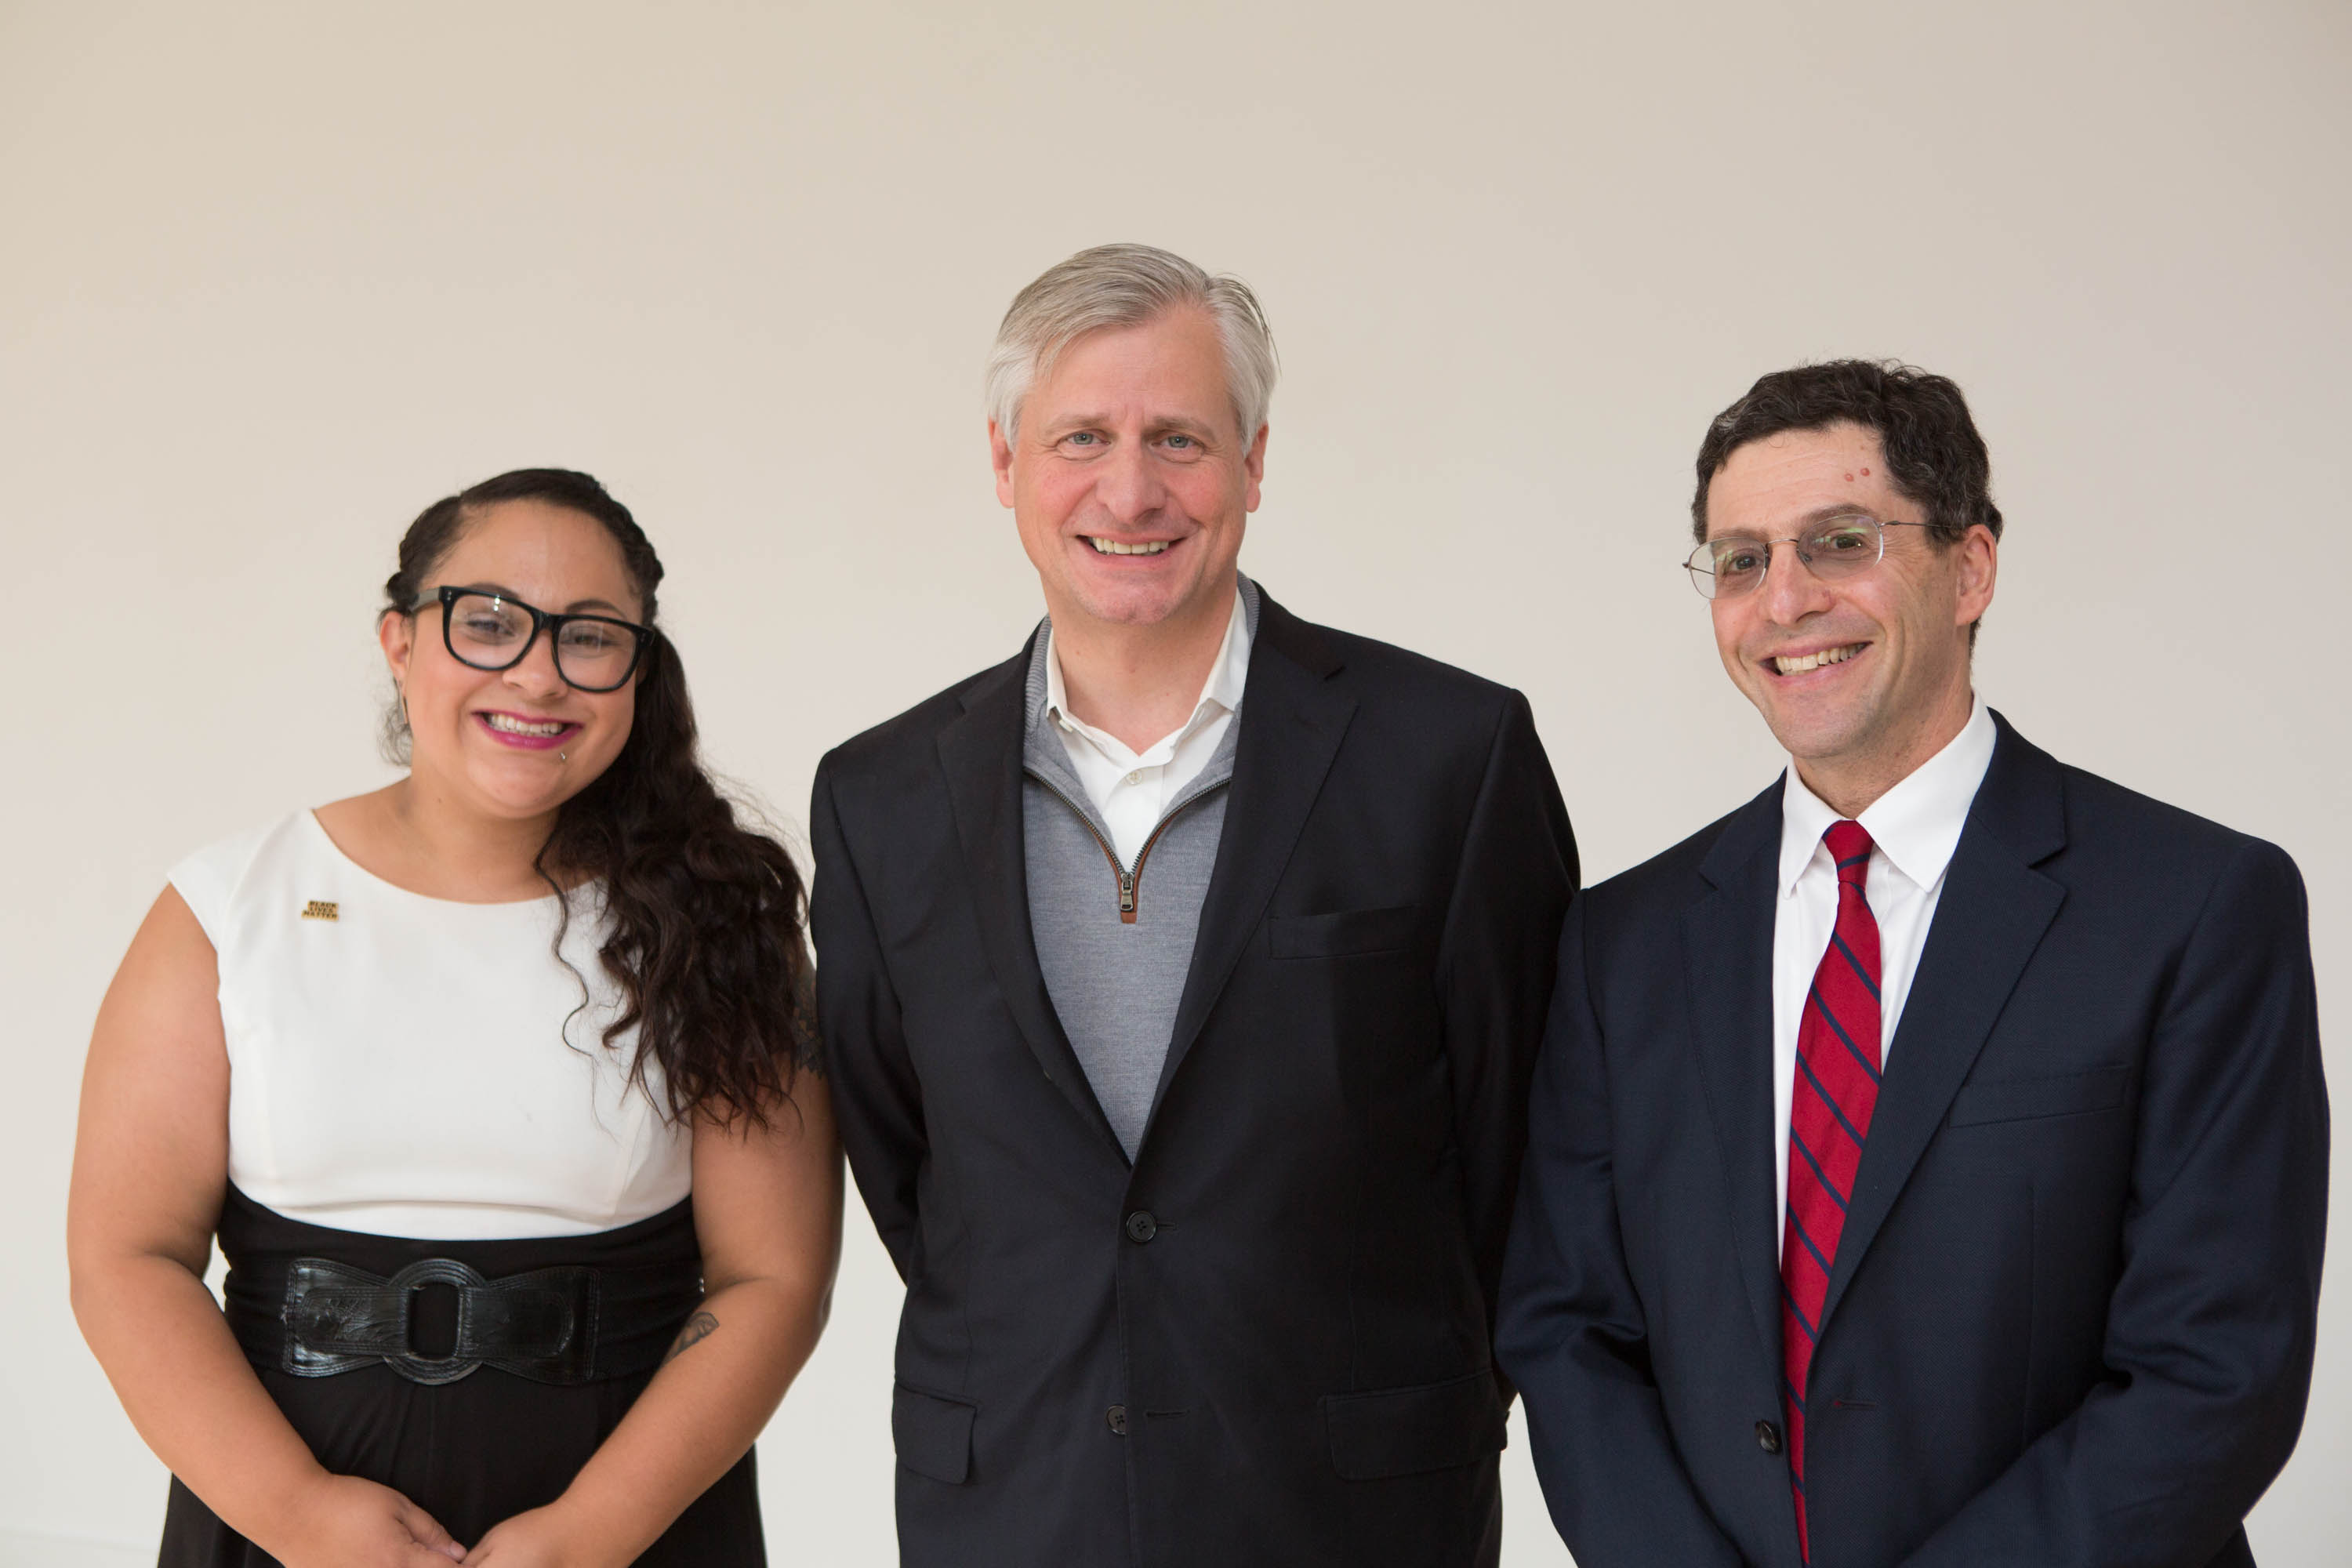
[(1116, 1416), (1768, 1436), (1141, 1227)]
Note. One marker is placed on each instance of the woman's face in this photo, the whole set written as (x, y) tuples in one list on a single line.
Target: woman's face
[(481, 737)]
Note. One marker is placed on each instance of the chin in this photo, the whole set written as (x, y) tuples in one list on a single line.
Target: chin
[(520, 809), (503, 795), (1133, 603), (1811, 736)]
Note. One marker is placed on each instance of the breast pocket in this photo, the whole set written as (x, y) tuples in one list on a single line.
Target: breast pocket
[(2032, 1099), (1343, 933)]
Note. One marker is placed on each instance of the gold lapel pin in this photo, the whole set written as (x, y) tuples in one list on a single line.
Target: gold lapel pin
[(319, 910)]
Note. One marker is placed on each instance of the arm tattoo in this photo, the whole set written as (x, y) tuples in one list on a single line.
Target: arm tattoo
[(698, 1329)]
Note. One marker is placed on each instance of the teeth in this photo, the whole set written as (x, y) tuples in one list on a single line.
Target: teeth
[(1113, 547), (523, 726), (1816, 661)]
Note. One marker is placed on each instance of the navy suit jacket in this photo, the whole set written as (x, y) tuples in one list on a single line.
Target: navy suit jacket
[(2072, 1315)]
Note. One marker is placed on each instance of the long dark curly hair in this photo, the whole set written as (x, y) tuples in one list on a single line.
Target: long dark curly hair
[(705, 918)]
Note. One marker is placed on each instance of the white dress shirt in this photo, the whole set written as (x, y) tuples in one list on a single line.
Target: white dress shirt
[(1914, 829), (1132, 789)]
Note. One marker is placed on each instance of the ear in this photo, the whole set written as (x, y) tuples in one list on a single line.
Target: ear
[(1253, 465), (999, 456), (397, 634), (1978, 565)]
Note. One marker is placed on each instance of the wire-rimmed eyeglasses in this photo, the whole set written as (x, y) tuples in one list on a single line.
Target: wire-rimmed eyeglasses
[(488, 630), (1833, 548)]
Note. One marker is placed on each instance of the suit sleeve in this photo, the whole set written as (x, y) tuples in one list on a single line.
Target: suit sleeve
[(877, 1100), (1517, 872), (1572, 1333), (2212, 1325)]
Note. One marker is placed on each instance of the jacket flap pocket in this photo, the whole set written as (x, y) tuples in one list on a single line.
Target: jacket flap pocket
[(1405, 1431), (933, 1436), (1341, 932), (2024, 1100)]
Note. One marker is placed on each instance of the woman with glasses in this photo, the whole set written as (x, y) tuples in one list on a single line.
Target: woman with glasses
[(495, 1086)]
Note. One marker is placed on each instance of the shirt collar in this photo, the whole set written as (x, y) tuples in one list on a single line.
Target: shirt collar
[(1916, 824), (1220, 693)]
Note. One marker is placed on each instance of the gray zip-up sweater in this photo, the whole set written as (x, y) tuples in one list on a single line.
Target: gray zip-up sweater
[(1116, 974)]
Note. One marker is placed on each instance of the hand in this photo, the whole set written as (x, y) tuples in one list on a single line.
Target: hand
[(543, 1538), (346, 1522)]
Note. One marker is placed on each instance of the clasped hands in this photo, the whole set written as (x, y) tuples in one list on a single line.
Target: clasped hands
[(346, 1522)]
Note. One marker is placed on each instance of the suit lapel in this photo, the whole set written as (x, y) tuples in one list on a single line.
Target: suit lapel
[(1728, 951), (1291, 721), (1994, 909), (980, 752)]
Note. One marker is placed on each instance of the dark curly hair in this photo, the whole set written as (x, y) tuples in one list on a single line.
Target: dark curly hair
[(705, 918), (1933, 455)]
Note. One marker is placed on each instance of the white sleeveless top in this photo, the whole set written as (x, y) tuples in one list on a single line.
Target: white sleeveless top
[(408, 1066)]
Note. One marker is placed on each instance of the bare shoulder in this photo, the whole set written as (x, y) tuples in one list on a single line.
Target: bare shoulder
[(170, 960)]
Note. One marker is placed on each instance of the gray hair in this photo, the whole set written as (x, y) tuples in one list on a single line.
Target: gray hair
[(1126, 286)]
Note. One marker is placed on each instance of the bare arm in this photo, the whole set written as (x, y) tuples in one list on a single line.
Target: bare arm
[(151, 1164), (767, 1211)]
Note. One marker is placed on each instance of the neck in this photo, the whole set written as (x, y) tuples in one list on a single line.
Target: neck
[(1140, 683), (468, 853), (1851, 784)]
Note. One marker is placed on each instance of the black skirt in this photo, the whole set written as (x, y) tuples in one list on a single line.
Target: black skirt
[(473, 1452)]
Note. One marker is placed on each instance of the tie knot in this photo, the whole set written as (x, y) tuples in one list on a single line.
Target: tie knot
[(1849, 844)]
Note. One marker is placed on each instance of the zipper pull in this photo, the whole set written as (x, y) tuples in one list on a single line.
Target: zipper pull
[(1126, 898)]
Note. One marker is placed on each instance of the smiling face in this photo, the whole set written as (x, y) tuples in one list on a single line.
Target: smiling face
[(1129, 479), (1865, 678), (517, 743)]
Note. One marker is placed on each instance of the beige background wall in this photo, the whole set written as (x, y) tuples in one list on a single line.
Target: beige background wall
[(272, 278)]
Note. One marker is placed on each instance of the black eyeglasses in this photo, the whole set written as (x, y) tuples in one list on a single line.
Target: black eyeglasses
[(1833, 548), (489, 631)]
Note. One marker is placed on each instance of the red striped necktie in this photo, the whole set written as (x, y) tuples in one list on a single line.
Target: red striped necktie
[(1829, 1116)]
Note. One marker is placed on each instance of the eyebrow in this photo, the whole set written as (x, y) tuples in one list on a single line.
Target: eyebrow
[(1823, 514), (577, 606), (1163, 422), (1186, 427), (1813, 518)]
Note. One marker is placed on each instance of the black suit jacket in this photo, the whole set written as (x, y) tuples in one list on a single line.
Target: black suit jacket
[(2071, 1316), (1267, 1340)]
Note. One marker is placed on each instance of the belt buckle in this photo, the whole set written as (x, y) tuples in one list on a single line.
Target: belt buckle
[(404, 1287), (540, 1325)]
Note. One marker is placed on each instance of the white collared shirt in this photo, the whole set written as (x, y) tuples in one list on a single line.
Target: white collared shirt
[(1914, 829), (1132, 789)]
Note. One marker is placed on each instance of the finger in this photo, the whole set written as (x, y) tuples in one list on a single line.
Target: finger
[(426, 1532)]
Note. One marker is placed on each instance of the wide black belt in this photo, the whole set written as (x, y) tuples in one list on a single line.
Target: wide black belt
[(439, 1319)]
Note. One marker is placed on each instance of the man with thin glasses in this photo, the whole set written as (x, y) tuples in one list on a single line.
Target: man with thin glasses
[(1927, 1163)]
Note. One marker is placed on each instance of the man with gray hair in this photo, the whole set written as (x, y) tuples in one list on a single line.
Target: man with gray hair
[(1181, 980)]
